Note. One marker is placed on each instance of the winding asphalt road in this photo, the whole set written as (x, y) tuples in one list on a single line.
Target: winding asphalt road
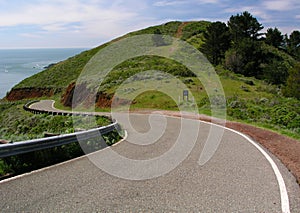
[(238, 178)]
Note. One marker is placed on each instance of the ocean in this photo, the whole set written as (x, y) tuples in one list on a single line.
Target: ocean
[(18, 64)]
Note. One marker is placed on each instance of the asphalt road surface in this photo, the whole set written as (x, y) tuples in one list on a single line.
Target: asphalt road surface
[(237, 178)]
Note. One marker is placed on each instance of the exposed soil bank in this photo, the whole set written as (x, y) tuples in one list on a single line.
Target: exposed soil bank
[(86, 98), (29, 93)]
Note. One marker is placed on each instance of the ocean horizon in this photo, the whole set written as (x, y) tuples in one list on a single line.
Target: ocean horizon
[(19, 64)]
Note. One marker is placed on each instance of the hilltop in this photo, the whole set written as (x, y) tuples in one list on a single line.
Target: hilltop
[(59, 78), (254, 91)]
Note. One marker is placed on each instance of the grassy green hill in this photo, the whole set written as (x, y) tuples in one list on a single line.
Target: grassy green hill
[(248, 99), (59, 76)]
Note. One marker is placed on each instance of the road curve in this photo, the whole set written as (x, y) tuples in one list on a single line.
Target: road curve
[(238, 178), (48, 105)]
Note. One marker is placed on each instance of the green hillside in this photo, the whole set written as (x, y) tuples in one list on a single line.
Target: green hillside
[(253, 72), (62, 74)]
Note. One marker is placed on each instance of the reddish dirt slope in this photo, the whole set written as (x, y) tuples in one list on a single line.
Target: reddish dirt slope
[(28, 93), (180, 29), (84, 96)]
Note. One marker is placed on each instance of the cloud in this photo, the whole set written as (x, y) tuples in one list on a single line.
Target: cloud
[(280, 5), (88, 21), (80, 22), (166, 3), (208, 1), (29, 35), (54, 15), (256, 11)]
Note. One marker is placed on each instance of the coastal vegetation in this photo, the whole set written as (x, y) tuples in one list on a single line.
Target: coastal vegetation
[(259, 72), (17, 124)]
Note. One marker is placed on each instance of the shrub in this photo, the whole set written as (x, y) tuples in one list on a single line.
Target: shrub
[(294, 123), (282, 115), (292, 88)]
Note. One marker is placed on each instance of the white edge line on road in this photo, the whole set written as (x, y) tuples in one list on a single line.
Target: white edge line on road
[(285, 206)]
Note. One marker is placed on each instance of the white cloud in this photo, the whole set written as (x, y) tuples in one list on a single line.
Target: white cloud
[(165, 3), (256, 11), (54, 27), (30, 35), (75, 21), (168, 3), (208, 1), (56, 14), (80, 22), (280, 5)]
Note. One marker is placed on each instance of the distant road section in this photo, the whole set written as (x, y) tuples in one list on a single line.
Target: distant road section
[(48, 105), (238, 178)]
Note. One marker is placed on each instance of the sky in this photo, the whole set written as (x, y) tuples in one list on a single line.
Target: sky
[(89, 23)]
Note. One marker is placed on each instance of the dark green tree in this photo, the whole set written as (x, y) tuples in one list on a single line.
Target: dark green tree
[(292, 88), (245, 58), (294, 44), (244, 26), (274, 37), (276, 72), (217, 42), (285, 42)]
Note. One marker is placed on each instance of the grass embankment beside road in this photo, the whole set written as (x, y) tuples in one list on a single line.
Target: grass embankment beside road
[(248, 100), (17, 124)]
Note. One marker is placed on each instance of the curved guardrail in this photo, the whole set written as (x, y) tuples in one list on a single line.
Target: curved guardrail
[(11, 149), (22, 147), (26, 107)]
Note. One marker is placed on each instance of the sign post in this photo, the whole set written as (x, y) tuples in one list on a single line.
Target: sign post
[(186, 94)]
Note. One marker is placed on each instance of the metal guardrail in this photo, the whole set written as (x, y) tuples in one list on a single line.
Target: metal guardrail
[(11, 149), (26, 107)]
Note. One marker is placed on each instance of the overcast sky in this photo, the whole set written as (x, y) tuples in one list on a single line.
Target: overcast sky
[(89, 23)]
